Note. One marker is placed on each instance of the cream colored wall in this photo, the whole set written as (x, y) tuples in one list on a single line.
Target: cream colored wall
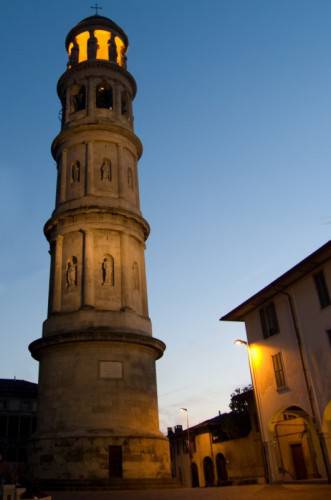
[(243, 456), (313, 323)]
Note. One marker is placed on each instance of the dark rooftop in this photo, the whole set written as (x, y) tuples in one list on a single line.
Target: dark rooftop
[(14, 387)]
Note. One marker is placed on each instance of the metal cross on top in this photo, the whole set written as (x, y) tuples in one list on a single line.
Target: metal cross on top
[(96, 7)]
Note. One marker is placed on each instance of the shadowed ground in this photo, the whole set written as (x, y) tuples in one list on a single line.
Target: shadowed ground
[(256, 492)]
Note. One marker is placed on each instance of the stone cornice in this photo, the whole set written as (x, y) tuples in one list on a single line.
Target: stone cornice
[(113, 128), (97, 335), (94, 211), (92, 65)]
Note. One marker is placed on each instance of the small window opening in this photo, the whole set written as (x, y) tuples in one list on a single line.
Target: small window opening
[(269, 321), (322, 289), (78, 99), (277, 361), (104, 96)]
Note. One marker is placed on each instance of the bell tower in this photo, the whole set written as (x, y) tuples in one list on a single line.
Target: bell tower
[(98, 414)]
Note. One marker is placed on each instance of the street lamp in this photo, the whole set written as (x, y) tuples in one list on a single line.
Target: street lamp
[(185, 410), (240, 342), (258, 406)]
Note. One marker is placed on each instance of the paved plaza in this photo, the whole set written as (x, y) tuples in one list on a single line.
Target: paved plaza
[(255, 492)]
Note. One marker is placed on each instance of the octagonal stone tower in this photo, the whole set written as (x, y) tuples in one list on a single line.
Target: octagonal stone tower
[(98, 414)]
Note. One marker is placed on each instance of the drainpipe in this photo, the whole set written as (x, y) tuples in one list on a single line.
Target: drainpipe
[(308, 387)]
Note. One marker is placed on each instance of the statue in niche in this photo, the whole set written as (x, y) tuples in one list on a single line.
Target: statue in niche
[(105, 170), (71, 273), (92, 47), (112, 50), (130, 178), (107, 271), (75, 172), (135, 276)]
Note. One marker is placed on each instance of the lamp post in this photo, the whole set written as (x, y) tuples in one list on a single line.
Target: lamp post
[(185, 410), (258, 408)]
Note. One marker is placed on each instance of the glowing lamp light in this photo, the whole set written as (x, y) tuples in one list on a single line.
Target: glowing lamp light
[(240, 342)]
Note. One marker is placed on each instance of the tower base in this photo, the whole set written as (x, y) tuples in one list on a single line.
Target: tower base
[(84, 463)]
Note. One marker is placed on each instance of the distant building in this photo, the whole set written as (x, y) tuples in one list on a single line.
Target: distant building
[(288, 326), (223, 450), (18, 406)]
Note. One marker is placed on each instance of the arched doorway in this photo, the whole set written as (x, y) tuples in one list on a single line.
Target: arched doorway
[(208, 469), (195, 475), (222, 473), (296, 450)]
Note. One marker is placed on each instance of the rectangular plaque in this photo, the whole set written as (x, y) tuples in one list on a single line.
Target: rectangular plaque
[(110, 369)]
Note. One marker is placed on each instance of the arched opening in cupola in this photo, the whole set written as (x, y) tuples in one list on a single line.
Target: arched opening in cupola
[(104, 96)]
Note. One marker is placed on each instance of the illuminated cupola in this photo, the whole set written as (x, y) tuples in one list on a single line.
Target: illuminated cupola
[(97, 38), (98, 415)]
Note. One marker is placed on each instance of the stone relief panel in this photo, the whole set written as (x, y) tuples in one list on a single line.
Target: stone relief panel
[(72, 271), (107, 270), (76, 160), (105, 168), (128, 164), (111, 370)]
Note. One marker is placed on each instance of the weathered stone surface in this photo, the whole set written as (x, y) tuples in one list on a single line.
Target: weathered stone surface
[(98, 414)]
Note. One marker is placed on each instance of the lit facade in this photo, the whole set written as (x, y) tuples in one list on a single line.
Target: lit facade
[(98, 414), (288, 326), (223, 450)]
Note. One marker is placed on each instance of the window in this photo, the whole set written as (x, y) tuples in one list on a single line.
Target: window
[(104, 96), (277, 361), (322, 289), (78, 99), (269, 320)]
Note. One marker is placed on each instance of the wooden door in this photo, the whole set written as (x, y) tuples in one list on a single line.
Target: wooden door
[(300, 469), (115, 461)]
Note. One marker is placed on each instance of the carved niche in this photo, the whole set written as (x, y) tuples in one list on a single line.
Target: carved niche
[(130, 178), (107, 271), (75, 172), (135, 276)]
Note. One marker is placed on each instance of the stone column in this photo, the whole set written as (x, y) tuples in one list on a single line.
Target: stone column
[(144, 283), (89, 169), (87, 270), (57, 277), (68, 105), (91, 98), (120, 173), (63, 177), (117, 99), (136, 184), (125, 278)]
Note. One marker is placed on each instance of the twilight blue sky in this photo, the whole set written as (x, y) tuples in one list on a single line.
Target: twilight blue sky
[(234, 111)]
